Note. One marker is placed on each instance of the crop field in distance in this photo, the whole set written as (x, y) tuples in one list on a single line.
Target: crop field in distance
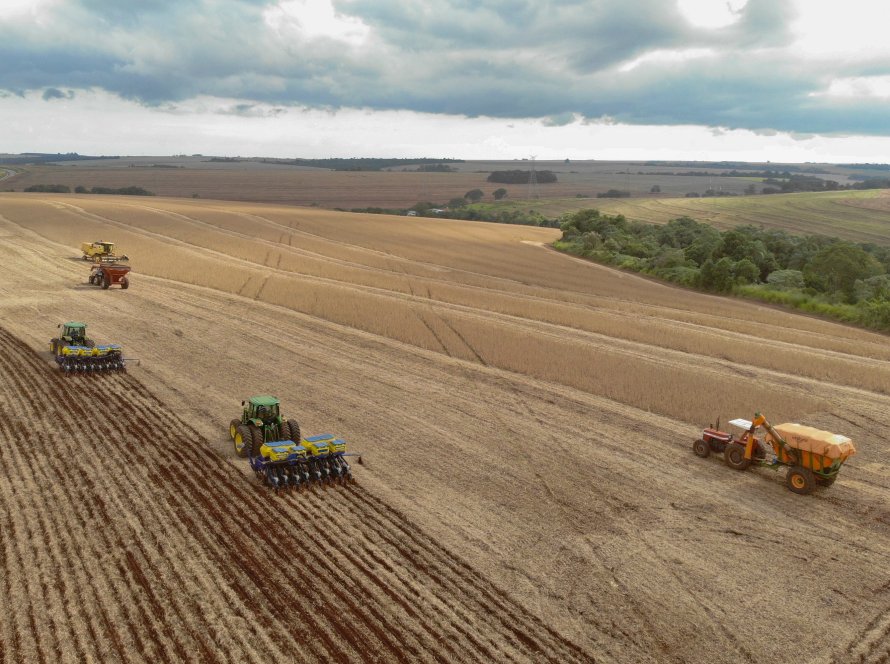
[(529, 492), (861, 216)]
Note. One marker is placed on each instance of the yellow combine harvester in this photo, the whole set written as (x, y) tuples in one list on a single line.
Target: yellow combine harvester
[(100, 252)]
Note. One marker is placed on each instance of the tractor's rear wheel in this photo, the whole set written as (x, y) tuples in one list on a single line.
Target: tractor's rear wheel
[(233, 428), (701, 448), (125, 283), (295, 431), (257, 437), (800, 480), (735, 456), (243, 440), (283, 431)]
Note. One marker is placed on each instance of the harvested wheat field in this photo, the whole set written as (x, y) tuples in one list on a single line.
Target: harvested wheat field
[(529, 492)]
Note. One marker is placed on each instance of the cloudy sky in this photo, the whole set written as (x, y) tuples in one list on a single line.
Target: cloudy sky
[(757, 80)]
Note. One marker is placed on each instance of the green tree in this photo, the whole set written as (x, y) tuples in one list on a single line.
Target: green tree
[(499, 194), (836, 268), (474, 195), (785, 280)]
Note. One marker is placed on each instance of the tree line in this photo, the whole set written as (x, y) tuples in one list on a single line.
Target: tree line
[(815, 273), (65, 189)]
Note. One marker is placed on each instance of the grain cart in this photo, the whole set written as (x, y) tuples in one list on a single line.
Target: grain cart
[(279, 455), (812, 457), (100, 252), (110, 274), (74, 351)]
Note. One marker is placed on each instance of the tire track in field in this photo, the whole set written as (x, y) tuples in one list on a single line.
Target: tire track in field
[(396, 602)]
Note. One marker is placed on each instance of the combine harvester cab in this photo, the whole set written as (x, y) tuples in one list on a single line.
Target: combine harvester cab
[(75, 352), (278, 454), (813, 457)]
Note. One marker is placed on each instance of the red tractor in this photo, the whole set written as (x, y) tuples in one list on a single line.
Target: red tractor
[(110, 274)]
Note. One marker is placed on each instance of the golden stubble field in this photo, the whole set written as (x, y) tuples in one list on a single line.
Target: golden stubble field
[(529, 491)]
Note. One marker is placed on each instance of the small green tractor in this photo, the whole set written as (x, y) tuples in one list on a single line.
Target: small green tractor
[(261, 422), (281, 458), (75, 352)]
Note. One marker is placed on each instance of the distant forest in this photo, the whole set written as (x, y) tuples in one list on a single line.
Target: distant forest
[(815, 273)]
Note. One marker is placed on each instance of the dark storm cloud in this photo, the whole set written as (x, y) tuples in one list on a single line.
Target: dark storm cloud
[(547, 59), (55, 93)]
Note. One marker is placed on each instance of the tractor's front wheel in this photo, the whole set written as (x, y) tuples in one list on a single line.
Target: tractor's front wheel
[(106, 282), (295, 431), (243, 440), (701, 448), (800, 480), (735, 456), (125, 283), (233, 428)]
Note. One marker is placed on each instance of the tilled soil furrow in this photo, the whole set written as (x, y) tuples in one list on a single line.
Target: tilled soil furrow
[(270, 538), (118, 542), (519, 624), (58, 575), (172, 600), (145, 435), (95, 525), (334, 572), (74, 393), (341, 598), (511, 631), (358, 574), (221, 604), (443, 616), (233, 546), (45, 606)]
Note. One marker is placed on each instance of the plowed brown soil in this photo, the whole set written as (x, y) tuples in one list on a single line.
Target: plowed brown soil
[(529, 492)]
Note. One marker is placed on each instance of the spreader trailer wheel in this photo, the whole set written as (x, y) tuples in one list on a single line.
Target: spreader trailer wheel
[(800, 480)]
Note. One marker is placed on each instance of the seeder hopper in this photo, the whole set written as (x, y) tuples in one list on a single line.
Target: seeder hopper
[(281, 458)]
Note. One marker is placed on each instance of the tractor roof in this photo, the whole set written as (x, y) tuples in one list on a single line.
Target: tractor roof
[(74, 324), (264, 401)]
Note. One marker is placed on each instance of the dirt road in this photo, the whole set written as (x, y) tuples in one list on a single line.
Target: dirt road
[(529, 492)]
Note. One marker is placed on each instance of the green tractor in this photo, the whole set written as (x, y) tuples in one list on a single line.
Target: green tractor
[(260, 423)]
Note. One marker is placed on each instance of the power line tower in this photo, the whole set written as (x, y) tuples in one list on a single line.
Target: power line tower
[(533, 180)]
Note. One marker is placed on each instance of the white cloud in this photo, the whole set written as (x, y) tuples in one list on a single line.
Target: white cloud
[(95, 122), (711, 13), (858, 87), (666, 58), (312, 19), (17, 9), (853, 30)]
